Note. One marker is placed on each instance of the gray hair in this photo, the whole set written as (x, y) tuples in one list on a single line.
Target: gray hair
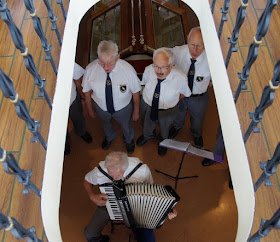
[(167, 52), (107, 46), (117, 160), (194, 30)]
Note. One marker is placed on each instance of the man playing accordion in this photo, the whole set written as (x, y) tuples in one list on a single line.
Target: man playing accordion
[(117, 166)]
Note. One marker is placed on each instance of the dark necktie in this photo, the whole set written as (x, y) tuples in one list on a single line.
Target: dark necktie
[(191, 74), (109, 95), (154, 109)]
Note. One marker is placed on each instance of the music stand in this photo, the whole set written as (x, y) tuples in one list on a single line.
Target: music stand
[(186, 148)]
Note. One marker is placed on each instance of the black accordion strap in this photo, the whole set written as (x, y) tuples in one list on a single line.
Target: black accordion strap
[(126, 178), (105, 173), (132, 172)]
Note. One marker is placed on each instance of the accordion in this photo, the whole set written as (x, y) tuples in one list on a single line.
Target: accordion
[(139, 205)]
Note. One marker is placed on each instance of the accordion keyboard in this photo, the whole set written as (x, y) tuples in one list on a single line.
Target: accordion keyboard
[(111, 204)]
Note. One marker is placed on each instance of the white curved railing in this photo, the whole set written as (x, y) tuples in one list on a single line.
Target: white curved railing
[(236, 153)]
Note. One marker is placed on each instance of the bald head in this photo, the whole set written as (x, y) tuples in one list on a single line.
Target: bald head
[(195, 42)]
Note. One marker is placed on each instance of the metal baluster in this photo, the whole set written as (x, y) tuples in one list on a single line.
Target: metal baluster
[(265, 227), (241, 13), (19, 232), (262, 28), (40, 32), (224, 18), (28, 60), (62, 8), (213, 6), (7, 86), (23, 176), (269, 168), (266, 100), (53, 20)]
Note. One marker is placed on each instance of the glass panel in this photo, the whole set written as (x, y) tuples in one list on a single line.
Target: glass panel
[(168, 27), (174, 2), (100, 4), (105, 27)]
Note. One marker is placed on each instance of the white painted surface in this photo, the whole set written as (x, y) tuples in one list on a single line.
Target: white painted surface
[(236, 153)]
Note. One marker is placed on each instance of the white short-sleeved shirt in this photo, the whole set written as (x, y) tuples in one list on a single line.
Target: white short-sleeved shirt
[(143, 174), (170, 89), (202, 74), (124, 83), (78, 73)]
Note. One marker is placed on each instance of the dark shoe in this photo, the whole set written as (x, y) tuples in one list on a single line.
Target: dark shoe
[(105, 238), (106, 144), (130, 147), (207, 162), (86, 137), (67, 149), (173, 132), (141, 140), (230, 183), (198, 141), (162, 150)]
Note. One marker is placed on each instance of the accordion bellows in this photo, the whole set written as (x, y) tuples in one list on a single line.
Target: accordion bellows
[(141, 205)]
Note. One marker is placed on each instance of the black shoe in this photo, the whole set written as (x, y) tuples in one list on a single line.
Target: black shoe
[(106, 144), (86, 137), (67, 149), (198, 141), (162, 150), (230, 183), (207, 162), (130, 147), (105, 238), (173, 132), (141, 140)]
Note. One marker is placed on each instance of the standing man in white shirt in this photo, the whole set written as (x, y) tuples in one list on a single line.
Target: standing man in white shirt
[(76, 110), (112, 91), (165, 85), (191, 58)]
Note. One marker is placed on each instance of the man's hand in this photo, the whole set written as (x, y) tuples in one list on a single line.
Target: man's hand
[(89, 104), (173, 214), (135, 115), (99, 199)]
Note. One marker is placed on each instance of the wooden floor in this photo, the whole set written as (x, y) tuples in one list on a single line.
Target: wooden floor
[(207, 210)]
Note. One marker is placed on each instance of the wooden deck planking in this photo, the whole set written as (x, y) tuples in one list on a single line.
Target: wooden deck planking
[(270, 129), (14, 134), (259, 145)]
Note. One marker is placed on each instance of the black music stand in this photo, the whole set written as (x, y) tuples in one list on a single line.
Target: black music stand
[(186, 148)]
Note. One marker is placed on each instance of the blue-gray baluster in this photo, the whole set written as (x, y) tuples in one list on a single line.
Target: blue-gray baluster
[(213, 6), (7, 86), (266, 100), (16, 229), (11, 167), (40, 32), (224, 18), (53, 20), (240, 16), (265, 227), (28, 60), (262, 28), (62, 8), (269, 168)]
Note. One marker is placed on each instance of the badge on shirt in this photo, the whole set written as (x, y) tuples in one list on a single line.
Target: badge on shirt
[(199, 78), (123, 88)]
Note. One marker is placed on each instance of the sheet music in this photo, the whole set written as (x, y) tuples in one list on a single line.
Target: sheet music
[(176, 145), (188, 148), (199, 152)]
